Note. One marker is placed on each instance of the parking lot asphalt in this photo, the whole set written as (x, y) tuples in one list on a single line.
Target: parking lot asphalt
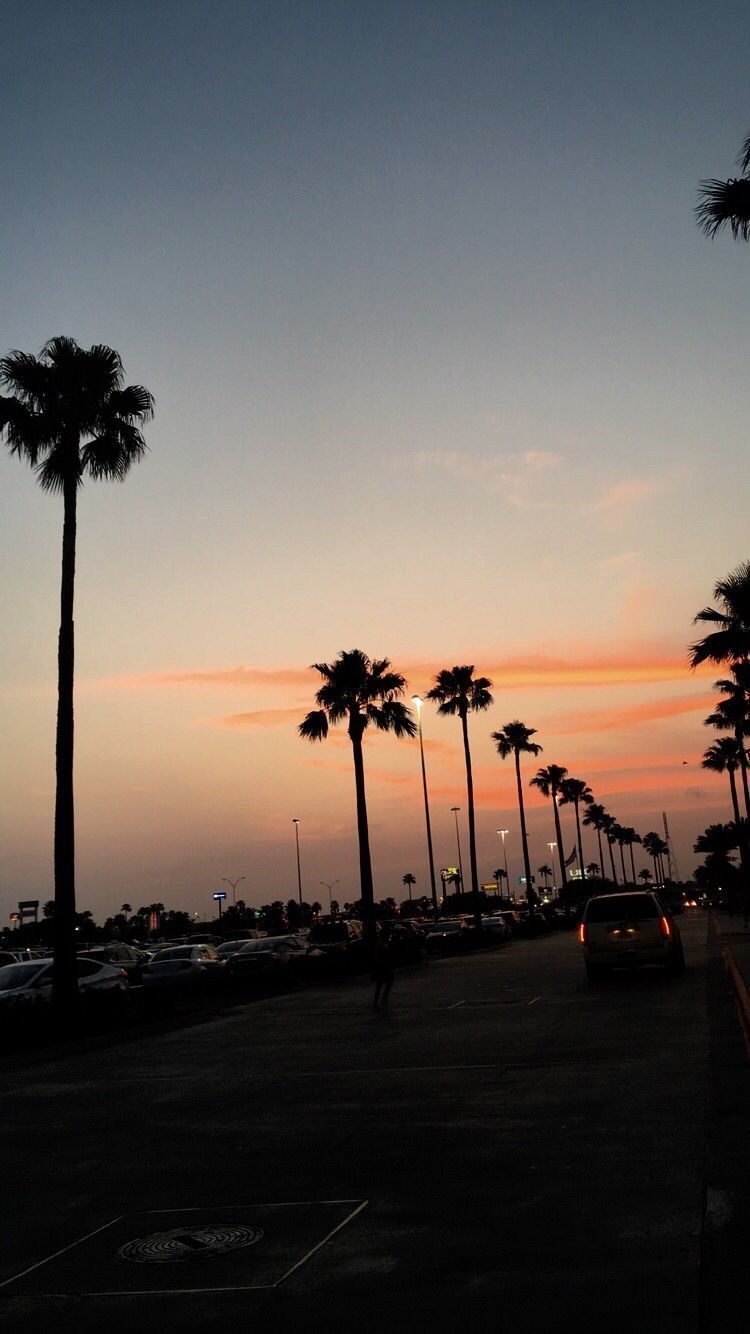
[(508, 1147)]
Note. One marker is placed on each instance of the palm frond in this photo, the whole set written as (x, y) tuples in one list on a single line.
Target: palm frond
[(392, 716), (724, 204), (314, 727), (109, 457)]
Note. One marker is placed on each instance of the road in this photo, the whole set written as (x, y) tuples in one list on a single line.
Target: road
[(530, 1151)]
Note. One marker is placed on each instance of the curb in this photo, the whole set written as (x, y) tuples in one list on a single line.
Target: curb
[(741, 995)]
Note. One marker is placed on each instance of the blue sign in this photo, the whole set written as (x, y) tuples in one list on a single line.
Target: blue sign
[(522, 879), (221, 894)]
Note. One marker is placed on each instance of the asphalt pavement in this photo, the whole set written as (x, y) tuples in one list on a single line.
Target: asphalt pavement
[(506, 1148)]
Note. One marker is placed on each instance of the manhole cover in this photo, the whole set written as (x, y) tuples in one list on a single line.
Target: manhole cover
[(188, 1243)]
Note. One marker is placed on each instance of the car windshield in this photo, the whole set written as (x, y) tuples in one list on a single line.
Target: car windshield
[(621, 908), (179, 952), (15, 975), (446, 926), (258, 946)]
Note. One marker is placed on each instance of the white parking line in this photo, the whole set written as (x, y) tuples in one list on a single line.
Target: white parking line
[(456, 1005), (534, 1001), (62, 1251)]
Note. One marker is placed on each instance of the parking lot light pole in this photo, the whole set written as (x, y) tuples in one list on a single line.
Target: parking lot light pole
[(455, 810), (417, 701), (552, 847), (502, 833), (299, 872), (329, 887), (234, 884)]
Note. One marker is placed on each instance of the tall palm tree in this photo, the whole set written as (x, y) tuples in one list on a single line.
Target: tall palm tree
[(594, 817), (653, 845), (630, 837), (617, 833), (409, 880), (593, 870), (723, 757), (727, 203), (574, 791), (70, 416), (499, 876), (359, 691), (609, 824), (515, 739), (645, 875), (458, 691), (126, 909), (733, 714), (717, 843), (729, 641), (549, 781)]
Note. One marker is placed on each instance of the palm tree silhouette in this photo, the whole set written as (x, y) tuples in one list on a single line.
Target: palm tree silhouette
[(126, 909), (730, 640), (629, 837), (409, 880), (618, 835), (723, 757), (727, 203), (717, 843), (594, 817), (656, 848), (545, 871), (513, 739), (70, 417), (645, 875), (499, 876), (575, 791), (458, 691), (548, 781), (609, 824), (359, 691), (733, 713), (593, 870)]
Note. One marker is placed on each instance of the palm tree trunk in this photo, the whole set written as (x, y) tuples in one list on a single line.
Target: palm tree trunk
[(612, 859), (561, 855), (472, 831), (622, 863), (735, 802), (743, 769), (363, 835), (580, 842), (632, 861), (65, 983), (601, 854), (524, 837)]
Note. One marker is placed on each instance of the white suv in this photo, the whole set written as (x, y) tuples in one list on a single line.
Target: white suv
[(627, 930)]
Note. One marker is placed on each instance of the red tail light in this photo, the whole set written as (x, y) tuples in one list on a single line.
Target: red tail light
[(666, 929), (583, 934), (122, 973)]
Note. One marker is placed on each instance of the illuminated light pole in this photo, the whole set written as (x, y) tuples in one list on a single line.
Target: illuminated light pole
[(455, 810), (417, 701), (502, 833), (552, 847), (299, 872), (329, 887), (234, 884)]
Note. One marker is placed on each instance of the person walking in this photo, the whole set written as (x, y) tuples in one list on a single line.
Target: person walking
[(382, 967)]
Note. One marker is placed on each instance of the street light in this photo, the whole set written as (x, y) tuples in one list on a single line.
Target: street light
[(502, 833), (234, 884), (329, 888), (552, 847), (417, 701), (455, 810), (299, 872)]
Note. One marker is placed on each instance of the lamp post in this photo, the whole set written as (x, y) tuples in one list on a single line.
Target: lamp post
[(417, 701), (234, 884), (455, 810), (299, 872), (502, 833), (329, 887), (552, 847)]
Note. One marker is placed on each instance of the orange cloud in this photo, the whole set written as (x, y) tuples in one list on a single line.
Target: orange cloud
[(261, 718), (612, 720)]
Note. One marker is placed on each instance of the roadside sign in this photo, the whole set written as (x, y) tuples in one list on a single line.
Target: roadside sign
[(522, 879), (221, 894)]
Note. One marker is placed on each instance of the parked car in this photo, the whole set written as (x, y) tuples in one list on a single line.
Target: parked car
[(496, 926), (628, 930), (184, 964), (338, 944), (278, 958), (408, 939), (448, 933), (230, 947), (30, 983), (131, 960), (17, 956)]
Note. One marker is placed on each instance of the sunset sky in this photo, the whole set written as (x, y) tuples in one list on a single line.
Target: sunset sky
[(444, 370)]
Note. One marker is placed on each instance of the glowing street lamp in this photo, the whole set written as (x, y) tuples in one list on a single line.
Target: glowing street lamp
[(502, 833), (234, 884), (552, 847), (299, 872), (417, 701), (455, 810)]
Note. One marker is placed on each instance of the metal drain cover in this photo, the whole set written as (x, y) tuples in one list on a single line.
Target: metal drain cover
[(188, 1243)]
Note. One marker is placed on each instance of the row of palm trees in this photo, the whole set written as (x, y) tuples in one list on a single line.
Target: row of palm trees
[(360, 692)]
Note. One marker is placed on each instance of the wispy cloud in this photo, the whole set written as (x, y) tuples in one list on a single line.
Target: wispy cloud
[(612, 720), (260, 718), (622, 497), (507, 472)]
